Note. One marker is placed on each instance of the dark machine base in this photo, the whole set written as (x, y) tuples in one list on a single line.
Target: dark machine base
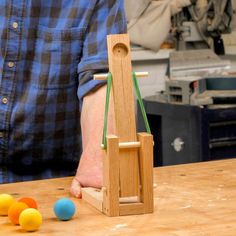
[(185, 133)]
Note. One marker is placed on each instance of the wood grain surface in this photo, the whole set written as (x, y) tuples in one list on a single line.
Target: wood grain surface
[(119, 60), (194, 199)]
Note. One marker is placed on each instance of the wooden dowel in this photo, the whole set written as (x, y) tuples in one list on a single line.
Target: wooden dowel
[(127, 145), (129, 199), (124, 145), (104, 76)]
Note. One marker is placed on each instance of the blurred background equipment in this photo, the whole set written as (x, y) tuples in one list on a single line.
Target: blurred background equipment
[(201, 24), (194, 118), (149, 21), (159, 27), (191, 107), (194, 24)]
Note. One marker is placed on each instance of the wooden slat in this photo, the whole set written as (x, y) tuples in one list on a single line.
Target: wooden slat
[(146, 171), (127, 145), (94, 197), (111, 177), (122, 86)]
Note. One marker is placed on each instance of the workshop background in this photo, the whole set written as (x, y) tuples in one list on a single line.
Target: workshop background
[(188, 47)]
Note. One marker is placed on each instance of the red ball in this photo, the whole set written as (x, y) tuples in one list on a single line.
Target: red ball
[(29, 201)]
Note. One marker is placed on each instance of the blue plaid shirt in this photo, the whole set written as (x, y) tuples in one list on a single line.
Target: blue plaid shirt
[(49, 50)]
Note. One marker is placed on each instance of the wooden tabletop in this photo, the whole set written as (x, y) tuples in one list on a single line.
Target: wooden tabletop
[(194, 199)]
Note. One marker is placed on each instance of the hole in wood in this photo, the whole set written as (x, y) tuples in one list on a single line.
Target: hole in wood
[(120, 50), (60, 188)]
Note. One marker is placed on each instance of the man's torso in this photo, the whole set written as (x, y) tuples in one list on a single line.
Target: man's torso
[(40, 48)]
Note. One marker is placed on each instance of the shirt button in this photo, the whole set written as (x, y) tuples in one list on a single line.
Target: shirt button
[(4, 100), (15, 25), (10, 64)]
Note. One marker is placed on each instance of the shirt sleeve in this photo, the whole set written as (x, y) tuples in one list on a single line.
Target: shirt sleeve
[(108, 17)]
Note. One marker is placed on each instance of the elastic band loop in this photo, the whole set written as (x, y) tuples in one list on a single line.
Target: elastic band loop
[(141, 103), (109, 82)]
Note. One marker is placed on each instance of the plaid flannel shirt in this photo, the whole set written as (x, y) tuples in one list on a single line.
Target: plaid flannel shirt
[(49, 50)]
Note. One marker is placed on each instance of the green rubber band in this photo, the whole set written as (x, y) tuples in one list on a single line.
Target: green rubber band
[(141, 103), (108, 91)]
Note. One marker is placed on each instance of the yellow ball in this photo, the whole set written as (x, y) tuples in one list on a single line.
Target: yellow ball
[(30, 219), (6, 200)]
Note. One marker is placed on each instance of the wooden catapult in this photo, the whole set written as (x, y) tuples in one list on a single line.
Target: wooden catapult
[(128, 160)]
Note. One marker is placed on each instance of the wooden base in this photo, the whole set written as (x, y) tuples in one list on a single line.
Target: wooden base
[(94, 197), (108, 200), (127, 206)]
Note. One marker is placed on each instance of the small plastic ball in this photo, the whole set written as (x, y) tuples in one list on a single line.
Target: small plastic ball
[(15, 210), (6, 200), (64, 209), (30, 219), (29, 201)]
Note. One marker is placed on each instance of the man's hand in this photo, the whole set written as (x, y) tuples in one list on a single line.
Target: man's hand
[(89, 172)]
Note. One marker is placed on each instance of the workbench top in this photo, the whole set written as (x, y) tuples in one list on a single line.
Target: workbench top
[(192, 199)]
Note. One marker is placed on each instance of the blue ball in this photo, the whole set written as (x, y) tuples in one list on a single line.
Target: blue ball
[(64, 209)]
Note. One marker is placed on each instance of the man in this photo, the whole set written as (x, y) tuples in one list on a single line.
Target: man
[(49, 51)]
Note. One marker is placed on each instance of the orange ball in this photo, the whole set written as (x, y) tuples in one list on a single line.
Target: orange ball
[(29, 201), (15, 210)]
